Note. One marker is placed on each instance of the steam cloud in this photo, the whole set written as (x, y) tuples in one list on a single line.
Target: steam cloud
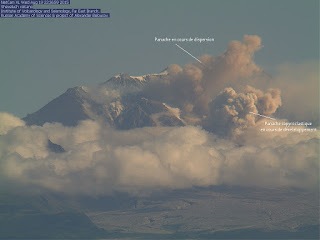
[(217, 95)]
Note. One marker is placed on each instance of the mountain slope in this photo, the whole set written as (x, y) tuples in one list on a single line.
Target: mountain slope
[(66, 109), (125, 109)]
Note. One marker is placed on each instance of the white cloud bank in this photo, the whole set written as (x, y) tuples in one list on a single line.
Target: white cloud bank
[(100, 160)]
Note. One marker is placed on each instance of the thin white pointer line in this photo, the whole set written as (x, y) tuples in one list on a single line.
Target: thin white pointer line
[(189, 53), (262, 115)]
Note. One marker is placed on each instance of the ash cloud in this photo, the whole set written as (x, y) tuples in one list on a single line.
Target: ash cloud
[(231, 112), (193, 86), (222, 143)]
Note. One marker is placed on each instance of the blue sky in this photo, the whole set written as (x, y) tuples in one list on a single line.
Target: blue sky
[(41, 58)]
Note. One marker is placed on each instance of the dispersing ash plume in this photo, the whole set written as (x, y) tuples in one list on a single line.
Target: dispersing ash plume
[(299, 83), (193, 86)]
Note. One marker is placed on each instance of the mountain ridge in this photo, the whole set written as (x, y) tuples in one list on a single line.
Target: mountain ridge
[(126, 109)]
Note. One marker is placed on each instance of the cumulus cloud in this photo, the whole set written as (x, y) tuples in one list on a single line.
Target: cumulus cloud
[(100, 160), (8, 121)]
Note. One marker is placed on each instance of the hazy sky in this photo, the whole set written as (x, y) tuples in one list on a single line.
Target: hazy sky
[(41, 58)]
